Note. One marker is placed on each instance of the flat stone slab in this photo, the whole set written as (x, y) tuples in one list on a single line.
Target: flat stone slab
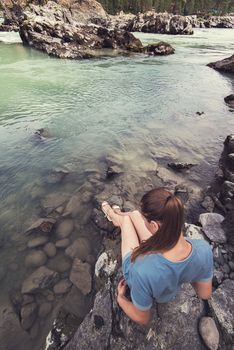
[(222, 306), (39, 279), (211, 226)]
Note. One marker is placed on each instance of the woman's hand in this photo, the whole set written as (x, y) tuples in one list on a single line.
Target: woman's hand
[(122, 286)]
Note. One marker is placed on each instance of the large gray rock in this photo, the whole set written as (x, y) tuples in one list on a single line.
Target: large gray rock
[(40, 279), (225, 65), (193, 231), (222, 306), (95, 330), (211, 226), (81, 277), (209, 332)]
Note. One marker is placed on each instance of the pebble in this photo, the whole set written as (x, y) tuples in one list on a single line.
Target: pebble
[(65, 228), (37, 242), (50, 250), (62, 243), (35, 259)]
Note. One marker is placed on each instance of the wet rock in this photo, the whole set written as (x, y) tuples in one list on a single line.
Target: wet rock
[(40, 279), (43, 133), (50, 250), (56, 176), (73, 207), (44, 225), (27, 299), (95, 330), (225, 65), (193, 231), (54, 200), (62, 286), (80, 248), (101, 222), (211, 226), (12, 335), (180, 166), (35, 259), (62, 243), (65, 228), (44, 310), (222, 306), (159, 49), (60, 263), (37, 242), (80, 276), (209, 332), (28, 315), (105, 265)]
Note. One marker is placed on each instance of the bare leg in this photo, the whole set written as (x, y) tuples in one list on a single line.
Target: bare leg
[(129, 238), (138, 222)]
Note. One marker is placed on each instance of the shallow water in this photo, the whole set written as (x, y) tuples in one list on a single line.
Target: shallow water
[(135, 107)]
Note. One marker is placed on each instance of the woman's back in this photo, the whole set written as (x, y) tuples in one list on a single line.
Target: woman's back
[(152, 276)]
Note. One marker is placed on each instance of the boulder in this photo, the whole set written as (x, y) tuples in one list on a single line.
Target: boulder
[(35, 258), (225, 65), (80, 276), (193, 231), (52, 29), (209, 332), (80, 248), (222, 306), (40, 279), (211, 226), (159, 49), (65, 228), (28, 315)]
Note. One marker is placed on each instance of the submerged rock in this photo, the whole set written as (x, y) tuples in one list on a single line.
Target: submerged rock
[(225, 65), (62, 286), (80, 276), (44, 225), (80, 248), (40, 279), (37, 242), (64, 228), (35, 258), (28, 315), (50, 249)]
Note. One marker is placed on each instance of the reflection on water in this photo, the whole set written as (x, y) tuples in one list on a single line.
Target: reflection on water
[(136, 108)]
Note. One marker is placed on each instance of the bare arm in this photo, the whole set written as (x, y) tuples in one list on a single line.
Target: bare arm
[(138, 316), (203, 289)]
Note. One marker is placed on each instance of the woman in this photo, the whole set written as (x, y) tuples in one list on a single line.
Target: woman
[(156, 257)]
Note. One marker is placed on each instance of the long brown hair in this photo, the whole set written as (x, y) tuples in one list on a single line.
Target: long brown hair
[(162, 206)]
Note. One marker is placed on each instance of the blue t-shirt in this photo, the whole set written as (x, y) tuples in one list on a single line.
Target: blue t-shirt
[(152, 276)]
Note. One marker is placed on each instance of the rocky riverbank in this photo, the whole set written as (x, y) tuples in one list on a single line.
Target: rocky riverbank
[(107, 327)]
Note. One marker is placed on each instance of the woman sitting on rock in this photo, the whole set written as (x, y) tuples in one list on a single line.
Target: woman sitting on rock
[(157, 258)]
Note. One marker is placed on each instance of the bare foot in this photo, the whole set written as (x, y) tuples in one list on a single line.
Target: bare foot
[(111, 215)]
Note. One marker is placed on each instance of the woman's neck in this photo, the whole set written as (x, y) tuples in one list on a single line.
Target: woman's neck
[(180, 251)]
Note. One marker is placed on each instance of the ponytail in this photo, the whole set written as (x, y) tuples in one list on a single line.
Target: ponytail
[(160, 205)]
